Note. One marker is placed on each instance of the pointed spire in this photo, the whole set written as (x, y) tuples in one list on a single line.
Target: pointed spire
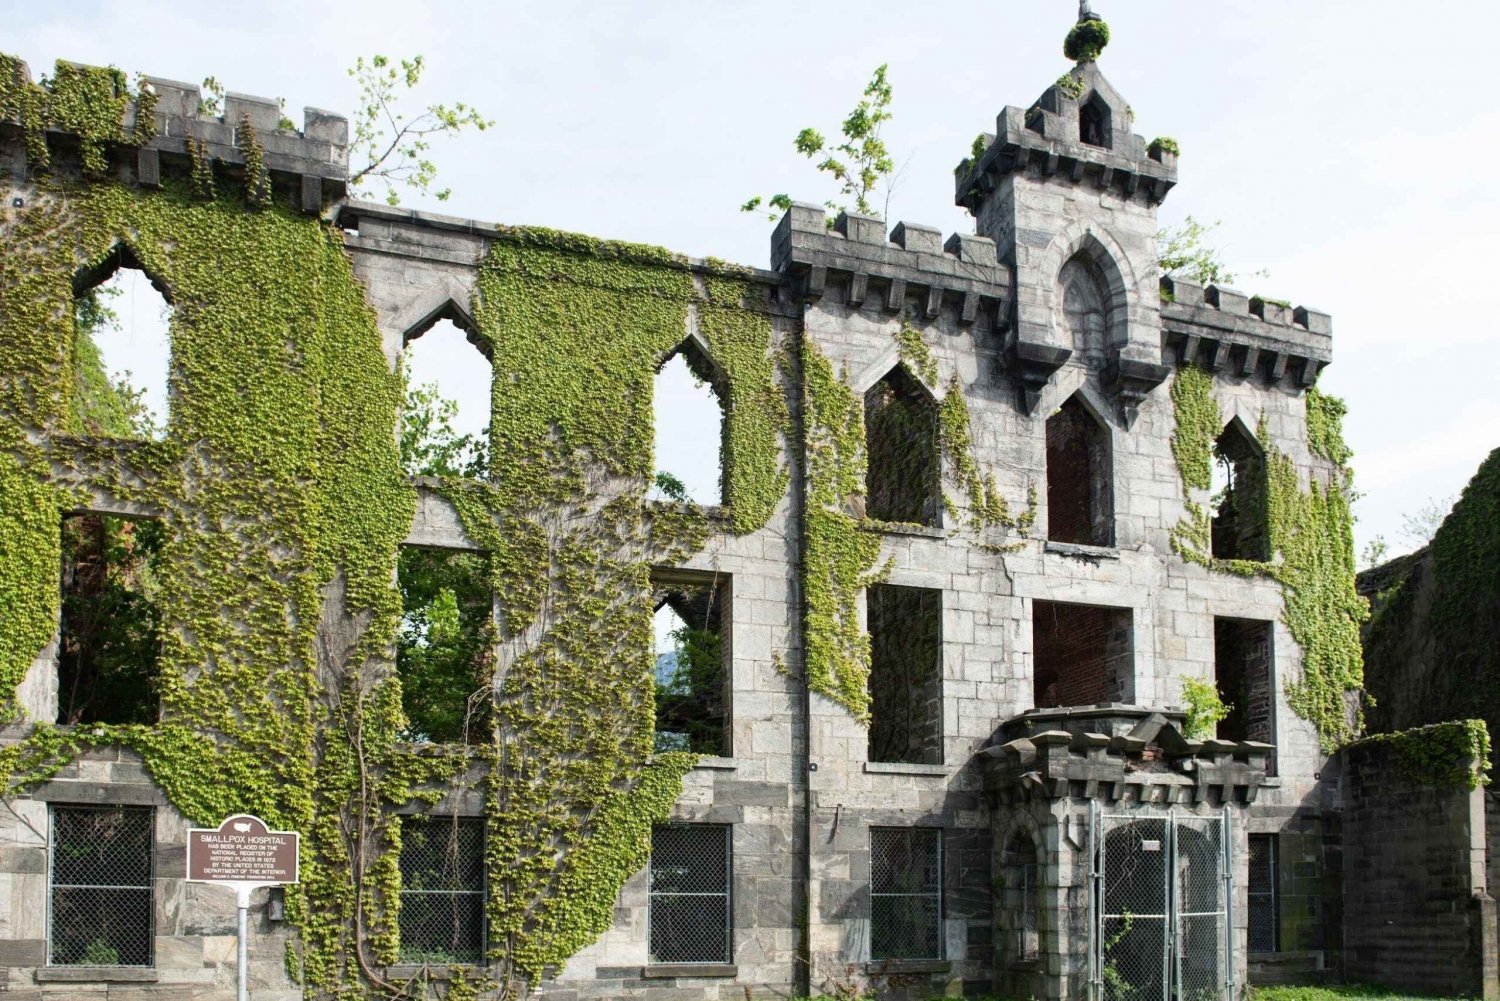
[(1088, 37)]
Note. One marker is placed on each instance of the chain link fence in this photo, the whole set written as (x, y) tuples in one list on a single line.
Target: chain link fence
[(1201, 911), (1134, 928), (100, 907), (689, 895), (442, 890), (906, 893)]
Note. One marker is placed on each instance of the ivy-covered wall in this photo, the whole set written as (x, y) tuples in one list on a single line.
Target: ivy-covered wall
[(284, 506)]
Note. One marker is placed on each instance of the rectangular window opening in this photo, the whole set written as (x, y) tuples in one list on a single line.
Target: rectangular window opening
[(690, 917), (906, 893), (110, 636), (100, 901), (445, 649), (1243, 673), (906, 674), (691, 623), (1082, 654), (1265, 923), (442, 890)]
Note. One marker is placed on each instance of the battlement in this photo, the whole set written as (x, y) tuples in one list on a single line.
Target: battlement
[(1223, 329), (1078, 132), (315, 160), (914, 260)]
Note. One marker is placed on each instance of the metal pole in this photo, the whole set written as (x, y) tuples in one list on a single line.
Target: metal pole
[(1226, 842), (1096, 905), (1171, 960), (242, 900)]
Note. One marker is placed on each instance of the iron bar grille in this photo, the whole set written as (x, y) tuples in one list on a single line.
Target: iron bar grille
[(100, 902), (689, 900), (442, 890), (1029, 924), (1262, 894), (906, 893)]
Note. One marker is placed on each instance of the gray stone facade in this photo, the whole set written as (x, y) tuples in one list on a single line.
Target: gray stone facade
[(796, 783)]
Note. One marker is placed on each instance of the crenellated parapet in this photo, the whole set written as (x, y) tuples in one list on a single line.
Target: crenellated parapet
[(1048, 139), (312, 161), (915, 262), (1150, 762), (1247, 336)]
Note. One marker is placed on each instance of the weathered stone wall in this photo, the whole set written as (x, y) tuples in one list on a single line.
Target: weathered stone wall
[(1417, 913)]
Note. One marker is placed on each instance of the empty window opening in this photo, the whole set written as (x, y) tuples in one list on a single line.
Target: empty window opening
[(1265, 923), (906, 674), (1243, 676), (122, 351), (1020, 913), (1241, 501), (110, 639), (906, 893), (690, 915), (1082, 654), (100, 874), (691, 443), (903, 478), (1094, 123), (445, 421), (691, 675), (444, 650), (1080, 500), (442, 890)]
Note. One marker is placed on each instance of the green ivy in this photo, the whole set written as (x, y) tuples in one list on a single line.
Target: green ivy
[(1164, 144), (1086, 40), (88, 102), (1311, 542), (1453, 755)]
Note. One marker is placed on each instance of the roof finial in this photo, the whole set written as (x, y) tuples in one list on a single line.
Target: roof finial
[(1088, 37)]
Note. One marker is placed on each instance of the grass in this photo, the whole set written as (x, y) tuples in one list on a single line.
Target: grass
[(1342, 992)]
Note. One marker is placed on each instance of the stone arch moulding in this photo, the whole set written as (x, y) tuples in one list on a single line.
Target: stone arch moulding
[(119, 256), (448, 301)]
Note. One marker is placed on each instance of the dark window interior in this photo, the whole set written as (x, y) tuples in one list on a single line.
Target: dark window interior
[(1080, 501), (901, 437), (906, 674), (692, 654), (1082, 654)]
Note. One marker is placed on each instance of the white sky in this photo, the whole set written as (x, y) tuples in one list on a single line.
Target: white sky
[(1346, 146)]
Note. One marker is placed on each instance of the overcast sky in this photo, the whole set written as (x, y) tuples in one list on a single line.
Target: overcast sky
[(1347, 147)]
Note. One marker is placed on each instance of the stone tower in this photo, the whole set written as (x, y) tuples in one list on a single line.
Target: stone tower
[(1069, 194)]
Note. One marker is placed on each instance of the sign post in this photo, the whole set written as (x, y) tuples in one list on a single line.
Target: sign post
[(243, 853)]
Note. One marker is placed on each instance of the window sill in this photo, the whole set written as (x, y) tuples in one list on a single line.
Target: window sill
[(1081, 551), (889, 966), (714, 763), (903, 768), (96, 974), (437, 971), (902, 528), (689, 971)]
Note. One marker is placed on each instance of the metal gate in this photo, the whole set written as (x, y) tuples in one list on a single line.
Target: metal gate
[(1160, 924)]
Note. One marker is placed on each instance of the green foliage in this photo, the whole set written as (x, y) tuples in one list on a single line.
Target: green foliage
[(1071, 86), (430, 445), (1453, 755), (396, 149), (1337, 992), (1183, 253), (443, 649), (687, 698), (87, 101), (670, 487), (1311, 542), (101, 406), (860, 163), (1164, 144), (1204, 709), (1087, 39)]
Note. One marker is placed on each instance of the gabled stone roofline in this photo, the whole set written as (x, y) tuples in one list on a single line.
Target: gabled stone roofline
[(1046, 138), (1224, 330), (914, 260)]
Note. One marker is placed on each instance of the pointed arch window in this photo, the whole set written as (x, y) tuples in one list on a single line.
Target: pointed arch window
[(121, 350), (903, 475), (445, 416), (1241, 502), (1080, 498), (1094, 122), (689, 407)]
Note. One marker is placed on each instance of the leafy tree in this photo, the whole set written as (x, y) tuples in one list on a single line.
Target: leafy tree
[(690, 677), (670, 486), (396, 148), (103, 406), (431, 446), (861, 164), (1418, 527), (1182, 252)]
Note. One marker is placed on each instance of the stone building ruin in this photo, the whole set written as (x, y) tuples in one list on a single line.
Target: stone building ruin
[(970, 551)]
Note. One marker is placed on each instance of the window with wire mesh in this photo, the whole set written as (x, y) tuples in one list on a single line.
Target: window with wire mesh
[(906, 893), (442, 890), (689, 897), (102, 911), (1264, 930), (1021, 902)]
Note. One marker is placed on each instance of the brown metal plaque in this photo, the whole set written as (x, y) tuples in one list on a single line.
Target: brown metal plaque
[(241, 850)]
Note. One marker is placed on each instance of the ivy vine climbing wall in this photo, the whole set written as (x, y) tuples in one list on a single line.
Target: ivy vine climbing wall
[(283, 504)]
